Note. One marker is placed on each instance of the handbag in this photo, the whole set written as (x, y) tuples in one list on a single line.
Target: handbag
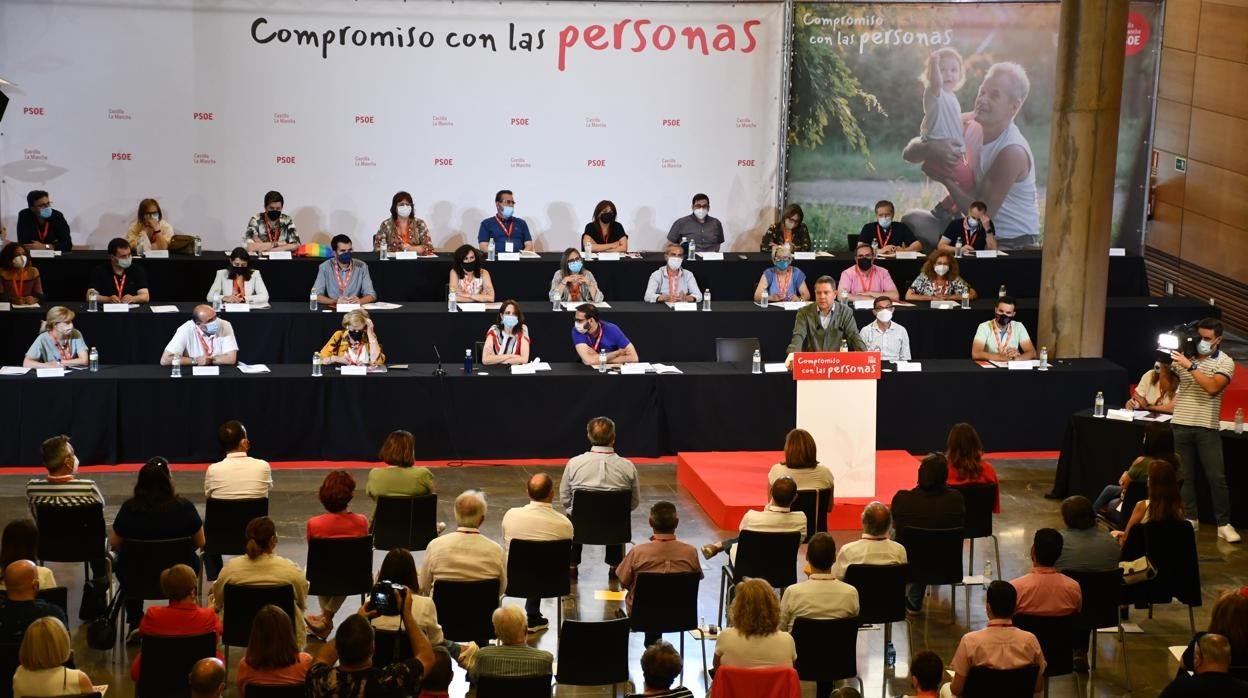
[(94, 599), (1138, 570), (102, 632)]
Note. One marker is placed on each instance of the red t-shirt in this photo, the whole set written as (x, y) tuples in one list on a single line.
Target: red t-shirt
[(987, 474), (286, 676), (178, 619), (344, 524)]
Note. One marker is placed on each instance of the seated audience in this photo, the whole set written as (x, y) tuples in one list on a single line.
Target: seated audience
[(662, 554), (885, 336), (469, 278), (23, 605), (1211, 663), (399, 567), (41, 227), (182, 617), (402, 231), (706, 232), (1044, 591), (400, 477), (939, 280), (926, 674), (974, 232), (20, 281), (789, 231), (150, 230), (604, 233), (337, 490), (1158, 443), (874, 547), (1002, 339), (272, 656), (801, 463), (511, 658), (782, 281), (998, 646), (660, 665), (21, 542), (41, 660), (59, 344), (1229, 618), (599, 469), (61, 487), (965, 454), (261, 567), (344, 665), (866, 280), (356, 344), (509, 233), (755, 639), (204, 340), (822, 596), (1085, 548), (593, 337), (776, 517), (672, 283), (271, 230), (239, 281), (572, 281), (1156, 389), (207, 678), (237, 476), (120, 280), (464, 555), (536, 521), (343, 279), (1164, 501), (889, 236), (932, 504), (437, 679), (507, 340)]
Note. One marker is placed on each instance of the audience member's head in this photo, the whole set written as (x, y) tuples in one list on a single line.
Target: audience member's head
[(933, 472), (541, 488), (153, 489), (470, 509), (965, 451), (20, 541), (207, 678), (399, 449), (271, 644), (821, 553), (755, 610), (261, 537), (783, 491), (1077, 513), (1164, 501), (926, 671), (45, 645), (233, 436), (21, 580), (58, 455), (1213, 654), (1159, 441), (1001, 599), (876, 519), (354, 641), (399, 567), (601, 431), (1046, 547), (179, 583), (660, 665), (799, 450), (511, 625), (437, 677), (1229, 618), (336, 491), (663, 518)]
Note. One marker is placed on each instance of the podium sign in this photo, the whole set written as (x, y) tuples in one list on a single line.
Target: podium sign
[(836, 398)]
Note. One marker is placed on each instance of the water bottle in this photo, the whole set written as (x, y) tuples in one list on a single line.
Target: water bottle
[(957, 251), (890, 655), (93, 363), (706, 300), (216, 301), (555, 302), (1098, 409), (450, 302), (312, 304), (844, 296), (1239, 419), (693, 253), (844, 345), (684, 245), (602, 361), (756, 364), (1001, 291), (762, 298), (383, 247), (198, 247), (987, 570), (93, 301), (176, 370), (467, 362), (875, 247), (1044, 358), (589, 250), (491, 253), (316, 364), (966, 300)]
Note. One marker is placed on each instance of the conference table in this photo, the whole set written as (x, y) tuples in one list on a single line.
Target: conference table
[(1096, 451), (130, 413), (183, 277), (290, 332)]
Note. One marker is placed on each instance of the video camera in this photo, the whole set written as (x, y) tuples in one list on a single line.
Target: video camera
[(1182, 338)]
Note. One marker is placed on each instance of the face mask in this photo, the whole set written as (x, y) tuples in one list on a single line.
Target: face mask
[(885, 221), (470, 266), (212, 327), (972, 223), (237, 271), (1205, 347), (575, 266), (864, 263), (404, 210), (356, 335), (74, 469), (884, 315), (608, 217), (124, 262), (1003, 319), (508, 210), (45, 212), (344, 257), (510, 321), (674, 263), (941, 269), (272, 215), (790, 225), (65, 328), (782, 264), (700, 213), (581, 326), (153, 216), (19, 261)]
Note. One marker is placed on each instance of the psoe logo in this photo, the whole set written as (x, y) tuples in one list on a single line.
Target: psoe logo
[(444, 162), (595, 163), (594, 122), (519, 163), (520, 121), (669, 164), (118, 115), (745, 163), (746, 122), (33, 111), (283, 118), (365, 119), (364, 161), (672, 123), (284, 159), (439, 120), (203, 159), (203, 116), (122, 157)]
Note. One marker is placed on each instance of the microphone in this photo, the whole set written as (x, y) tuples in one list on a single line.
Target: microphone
[(439, 371)]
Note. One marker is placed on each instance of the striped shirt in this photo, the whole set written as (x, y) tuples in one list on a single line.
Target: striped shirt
[(1193, 406), (511, 662), (60, 492)]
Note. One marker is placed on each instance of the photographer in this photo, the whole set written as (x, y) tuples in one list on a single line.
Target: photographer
[(1196, 407), (352, 651)]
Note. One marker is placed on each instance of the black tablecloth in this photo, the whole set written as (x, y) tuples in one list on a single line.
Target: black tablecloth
[(734, 278), (129, 413), (1095, 452)]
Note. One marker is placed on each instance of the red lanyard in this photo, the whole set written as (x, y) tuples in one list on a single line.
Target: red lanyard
[(64, 349), (1003, 338), (941, 287), (121, 285), (506, 228), (865, 281), (970, 237), (879, 238), (203, 341), (342, 283), (43, 234), (673, 283), (783, 288), (598, 342), (274, 231), (19, 285), (354, 357), (240, 288), (605, 234)]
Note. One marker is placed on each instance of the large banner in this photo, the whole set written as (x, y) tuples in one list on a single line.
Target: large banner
[(338, 104), (935, 105)]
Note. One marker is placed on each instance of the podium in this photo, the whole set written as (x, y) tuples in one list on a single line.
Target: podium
[(836, 398)]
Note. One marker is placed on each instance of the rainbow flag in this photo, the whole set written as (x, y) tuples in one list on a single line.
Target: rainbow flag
[(314, 249)]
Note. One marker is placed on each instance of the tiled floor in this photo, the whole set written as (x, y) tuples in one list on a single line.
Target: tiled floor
[(1023, 510)]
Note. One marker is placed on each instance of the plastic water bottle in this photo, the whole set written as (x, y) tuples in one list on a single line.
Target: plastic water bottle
[(312, 304), (1001, 291), (93, 364), (467, 362), (844, 345), (602, 361), (762, 298), (957, 251), (383, 248), (966, 300), (890, 655), (756, 364), (316, 364), (93, 301), (844, 297), (450, 302), (684, 245), (987, 570), (706, 300), (1098, 408), (176, 370), (589, 249), (693, 251), (216, 300), (198, 247), (491, 253), (1044, 359), (875, 247), (555, 302), (1239, 420)]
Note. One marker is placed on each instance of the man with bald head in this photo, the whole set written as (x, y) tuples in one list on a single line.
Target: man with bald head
[(875, 547), (776, 517), (207, 678), (464, 555), (539, 521), (204, 340), (21, 581)]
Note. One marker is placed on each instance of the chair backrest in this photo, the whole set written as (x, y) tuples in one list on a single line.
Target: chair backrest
[(146, 559), (465, 609), (1172, 550), (538, 569), (881, 591), (340, 566), (827, 650), (8, 666), (665, 603), (593, 653), (980, 498), (527, 687), (165, 661), (243, 602), (71, 534), (772, 682), (57, 596), (1000, 683), (478, 351), (934, 554), (602, 517), (225, 523), (1136, 492), (264, 690), (405, 522), (815, 504), (1101, 593), (390, 646), (769, 556), (1057, 640), (735, 349)]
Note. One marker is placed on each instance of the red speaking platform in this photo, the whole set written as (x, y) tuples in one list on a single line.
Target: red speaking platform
[(843, 365)]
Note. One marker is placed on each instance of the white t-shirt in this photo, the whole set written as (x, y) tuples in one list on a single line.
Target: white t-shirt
[(943, 119), (755, 652), (189, 340), (1019, 213)]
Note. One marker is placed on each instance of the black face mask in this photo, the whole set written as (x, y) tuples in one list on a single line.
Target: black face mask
[(237, 271), (470, 266), (864, 264), (355, 335), (1003, 320), (272, 215), (608, 217)]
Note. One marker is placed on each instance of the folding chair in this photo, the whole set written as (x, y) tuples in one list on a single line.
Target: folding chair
[(815, 504), (164, 662), (769, 556), (980, 498), (340, 566), (935, 557), (539, 570), (1101, 593), (668, 603), (827, 651), (405, 522), (983, 682), (243, 602), (1057, 641), (593, 653), (465, 609), (225, 523), (881, 596)]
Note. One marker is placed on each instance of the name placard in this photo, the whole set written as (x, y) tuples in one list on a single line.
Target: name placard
[(803, 255), (711, 256), (986, 254), (205, 370), (116, 307), (281, 254), (509, 256), (347, 307), (158, 254), (907, 254), (50, 372), (353, 370), (608, 256), (237, 308), (41, 254)]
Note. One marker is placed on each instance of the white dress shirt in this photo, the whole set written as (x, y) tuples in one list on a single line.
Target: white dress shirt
[(822, 597), (868, 551), (535, 521), (238, 476), (893, 342), (253, 288), (599, 469), (186, 341), (463, 555)]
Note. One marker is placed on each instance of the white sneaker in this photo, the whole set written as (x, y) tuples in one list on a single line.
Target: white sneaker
[(1228, 533), (1195, 524)]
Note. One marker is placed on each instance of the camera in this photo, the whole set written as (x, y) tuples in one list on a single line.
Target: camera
[(1182, 338), (382, 598)]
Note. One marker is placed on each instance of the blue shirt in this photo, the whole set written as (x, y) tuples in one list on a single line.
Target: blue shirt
[(608, 339), (796, 279), (490, 228)]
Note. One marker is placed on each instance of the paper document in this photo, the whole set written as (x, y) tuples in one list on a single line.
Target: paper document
[(13, 370), (664, 368), (492, 306), (252, 368), (791, 305), (259, 306), (821, 253), (381, 305), (775, 368), (164, 308), (803, 255), (530, 254), (25, 305)]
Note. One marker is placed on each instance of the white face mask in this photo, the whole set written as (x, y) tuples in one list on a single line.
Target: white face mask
[(885, 221), (674, 263), (580, 326), (64, 328), (153, 216), (19, 261), (790, 224), (700, 213), (941, 269), (884, 315), (404, 210)]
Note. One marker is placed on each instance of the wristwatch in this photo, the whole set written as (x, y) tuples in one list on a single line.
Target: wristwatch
[(1191, 366)]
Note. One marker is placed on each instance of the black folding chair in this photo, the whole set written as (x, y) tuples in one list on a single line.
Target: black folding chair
[(668, 603), (735, 349), (164, 662), (769, 556), (935, 557), (1101, 592), (140, 565), (264, 690), (983, 682), (528, 687), (881, 596), (1057, 641), (980, 498), (815, 504), (1132, 494), (465, 609), (72, 534), (340, 566), (1171, 547), (225, 523), (405, 522), (602, 517), (243, 602), (827, 651), (539, 570), (593, 653)]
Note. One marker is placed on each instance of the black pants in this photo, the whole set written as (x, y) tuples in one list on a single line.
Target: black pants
[(615, 553)]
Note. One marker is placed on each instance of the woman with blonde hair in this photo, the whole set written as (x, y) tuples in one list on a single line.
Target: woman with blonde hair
[(150, 231), (58, 344), (273, 658), (41, 670), (261, 567), (755, 640), (356, 344)]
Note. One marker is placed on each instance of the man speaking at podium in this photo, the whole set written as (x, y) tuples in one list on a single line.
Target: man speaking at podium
[(825, 324)]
